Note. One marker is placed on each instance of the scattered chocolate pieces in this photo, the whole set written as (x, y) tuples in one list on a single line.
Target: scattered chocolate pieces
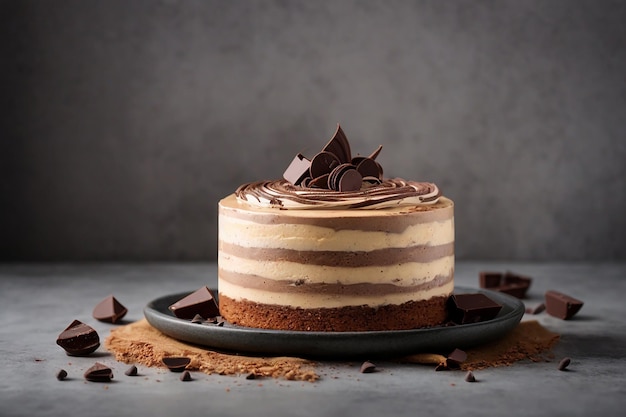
[(132, 371), (176, 363), (186, 376), (564, 363), (536, 309), (469, 377), (456, 358), (61, 375), (99, 373), (472, 308), (509, 283), (561, 305), (367, 367), (201, 302), (79, 339), (109, 310)]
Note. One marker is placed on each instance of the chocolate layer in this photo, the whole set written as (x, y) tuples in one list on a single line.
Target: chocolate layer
[(301, 287), (380, 257)]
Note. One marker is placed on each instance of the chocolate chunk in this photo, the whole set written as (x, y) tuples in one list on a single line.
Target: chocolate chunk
[(251, 375), (176, 363), (441, 367), (297, 170), (339, 146), (536, 309), (61, 375), (99, 373), (472, 308), (132, 371), (564, 363), (561, 305), (199, 302), (197, 319), (186, 376), (367, 367), (79, 339), (109, 310), (469, 377), (323, 163), (508, 283), (489, 279), (456, 358)]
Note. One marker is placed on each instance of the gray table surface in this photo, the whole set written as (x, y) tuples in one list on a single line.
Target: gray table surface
[(38, 301)]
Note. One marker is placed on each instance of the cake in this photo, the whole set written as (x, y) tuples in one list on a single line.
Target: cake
[(335, 246)]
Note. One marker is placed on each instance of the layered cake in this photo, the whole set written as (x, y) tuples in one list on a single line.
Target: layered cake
[(335, 246)]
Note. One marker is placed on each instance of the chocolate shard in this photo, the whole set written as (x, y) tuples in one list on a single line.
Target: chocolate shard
[(79, 339), (99, 373), (368, 168), (374, 154), (176, 363), (339, 146), (562, 305), (200, 302), (456, 358), (469, 377), (132, 371), (367, 367), (297, 170), (472, 308), (109, 310), (323, 163), (61, 375), (186, 376), (564, 363)]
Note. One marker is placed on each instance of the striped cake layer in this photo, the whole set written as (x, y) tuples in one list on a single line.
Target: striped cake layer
[(335, 258)]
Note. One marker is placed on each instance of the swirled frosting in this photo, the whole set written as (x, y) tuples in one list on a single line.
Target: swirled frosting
[(389, 193)]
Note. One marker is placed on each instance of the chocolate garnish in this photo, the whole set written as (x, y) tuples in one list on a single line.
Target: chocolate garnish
[(99, 373), (297, 170), (350, 180), (132, 371), (61, 375), (109, 310), (186, 376), (339, 146), (323, 163), (176, 363), (561, 305), (367, 367), (368, 168), (319, 182), (456, 358), (472, 308), (564, 363), (79, 339), (200, 302), (374, 154)]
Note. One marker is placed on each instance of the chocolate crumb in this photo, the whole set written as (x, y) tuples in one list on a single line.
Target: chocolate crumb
[(367, 367), (132, 371), (441, 367), (197, 319), (186, 376), (564, 363), (469, 377), (251, 375), (61, 375), (456, 358)]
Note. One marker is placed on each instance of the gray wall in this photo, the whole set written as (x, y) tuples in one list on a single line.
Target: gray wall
[(123, 123)]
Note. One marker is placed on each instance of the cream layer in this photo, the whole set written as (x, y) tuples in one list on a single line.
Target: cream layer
[(309, 300), (307, 237), (405, 274)]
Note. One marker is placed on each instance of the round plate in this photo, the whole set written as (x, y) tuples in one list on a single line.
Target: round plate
[(394, 343)]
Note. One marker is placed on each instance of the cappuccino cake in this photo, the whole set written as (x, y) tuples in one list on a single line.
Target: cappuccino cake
[(334, 246)]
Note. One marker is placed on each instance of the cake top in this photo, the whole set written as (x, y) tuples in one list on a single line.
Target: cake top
[(334, 179)]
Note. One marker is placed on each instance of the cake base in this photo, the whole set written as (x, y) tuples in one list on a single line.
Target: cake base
[(411, 315)]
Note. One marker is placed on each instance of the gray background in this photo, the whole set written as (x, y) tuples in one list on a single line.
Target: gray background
[(123, 123)]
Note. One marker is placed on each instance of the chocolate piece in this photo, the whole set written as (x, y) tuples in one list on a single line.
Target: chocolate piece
[(509, 283), (456, 358), (197, 319), (99, 373), (109, 310), (537, 309), (323, 163), (561, 305), (297, 170), (61, 375), (564, 363), (339, 146), (441, 367), (472, 308), (132, 371), (489, 279), (319, 182), (176, 363), (251, 375), (351, 180), (186, 376), (367, 367), (368, 168), (79, 339), (199, 302), (469, 377)]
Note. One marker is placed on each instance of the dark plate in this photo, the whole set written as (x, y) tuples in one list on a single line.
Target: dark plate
[(233, 338)]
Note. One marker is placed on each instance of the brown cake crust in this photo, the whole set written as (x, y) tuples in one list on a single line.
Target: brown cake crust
[(410, 315)]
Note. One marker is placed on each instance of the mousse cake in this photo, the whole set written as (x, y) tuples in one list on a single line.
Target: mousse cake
[(335, 246)]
